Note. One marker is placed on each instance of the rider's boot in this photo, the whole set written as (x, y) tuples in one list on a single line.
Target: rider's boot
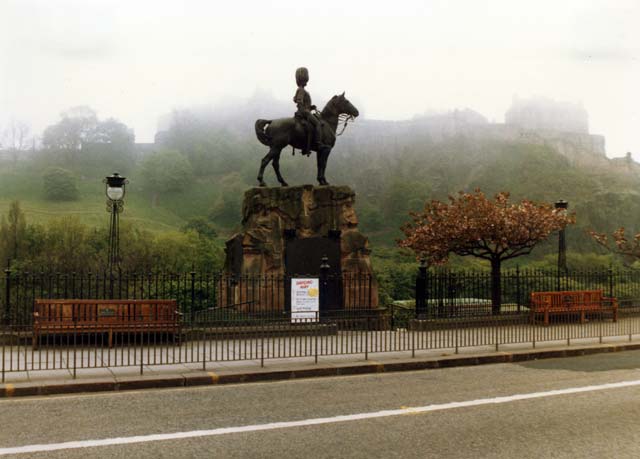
[(307, 150), (317, 130)]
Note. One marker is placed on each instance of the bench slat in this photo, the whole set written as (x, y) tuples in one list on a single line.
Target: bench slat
[(65, 316), (579, 301)]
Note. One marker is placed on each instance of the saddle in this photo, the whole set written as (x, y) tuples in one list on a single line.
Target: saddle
[(308, 129)]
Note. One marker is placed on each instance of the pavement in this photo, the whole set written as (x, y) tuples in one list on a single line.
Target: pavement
[(62, 381)]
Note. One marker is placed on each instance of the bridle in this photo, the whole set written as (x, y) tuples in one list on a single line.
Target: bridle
[(344, 118)]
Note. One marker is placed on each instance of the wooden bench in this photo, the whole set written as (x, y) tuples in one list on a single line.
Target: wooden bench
[(64, 317), (573, 302)]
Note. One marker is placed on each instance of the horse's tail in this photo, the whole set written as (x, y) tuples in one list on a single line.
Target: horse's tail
[(261, 133)]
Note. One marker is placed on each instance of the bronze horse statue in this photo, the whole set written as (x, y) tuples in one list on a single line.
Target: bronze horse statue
[(279, 133)]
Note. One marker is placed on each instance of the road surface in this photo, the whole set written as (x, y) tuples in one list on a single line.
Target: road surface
[(573, 407)]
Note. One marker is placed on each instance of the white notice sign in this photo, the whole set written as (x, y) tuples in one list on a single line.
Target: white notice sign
[(305, 300)]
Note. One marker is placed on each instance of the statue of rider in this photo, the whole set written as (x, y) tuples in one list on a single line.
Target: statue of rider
[(302, 100)]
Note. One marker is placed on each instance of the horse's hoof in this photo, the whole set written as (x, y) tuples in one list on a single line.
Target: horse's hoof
[(261, 183), (284, 184)]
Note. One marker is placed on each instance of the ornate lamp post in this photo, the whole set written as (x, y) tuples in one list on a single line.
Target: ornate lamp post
[(562, 206), (115, 189)]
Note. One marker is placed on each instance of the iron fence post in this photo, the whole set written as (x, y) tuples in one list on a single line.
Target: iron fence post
[(203, 328), (366, 340), (193, 296), (610, 274), (518, 287), (7, 292), (262, 349), (141, 352), (413, 338), (533, 334), (3, 364), (324, 283), (75, 345), (421, 289), (317, 328)]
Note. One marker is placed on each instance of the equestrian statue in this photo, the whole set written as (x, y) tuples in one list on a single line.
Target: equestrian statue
[(307, 131)]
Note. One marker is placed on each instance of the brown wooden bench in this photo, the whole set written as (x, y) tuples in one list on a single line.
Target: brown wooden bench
[(573, 302), (64, 317)]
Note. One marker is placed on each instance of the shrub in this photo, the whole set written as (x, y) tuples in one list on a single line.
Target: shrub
[(60, 184)]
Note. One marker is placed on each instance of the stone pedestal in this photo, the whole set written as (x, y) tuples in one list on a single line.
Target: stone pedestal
[(286, 231)]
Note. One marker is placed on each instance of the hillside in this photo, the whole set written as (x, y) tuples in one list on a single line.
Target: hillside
[(393, 166)]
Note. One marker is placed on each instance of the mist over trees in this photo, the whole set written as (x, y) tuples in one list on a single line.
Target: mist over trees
[(16, 139), (194, 177), (82, 141)]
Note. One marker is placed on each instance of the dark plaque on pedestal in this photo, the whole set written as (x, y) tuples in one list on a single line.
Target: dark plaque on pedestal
[(301, 260)]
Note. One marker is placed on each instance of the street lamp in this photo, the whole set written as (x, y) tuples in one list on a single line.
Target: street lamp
[(115, 190), (562, 206)]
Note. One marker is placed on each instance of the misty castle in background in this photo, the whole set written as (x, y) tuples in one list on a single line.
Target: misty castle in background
[(560, 125), (547, 114), (563, 126)]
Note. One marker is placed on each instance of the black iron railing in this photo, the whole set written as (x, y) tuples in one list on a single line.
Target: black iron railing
[(223, 317), (73, 345), (450, 294), (197, 294)]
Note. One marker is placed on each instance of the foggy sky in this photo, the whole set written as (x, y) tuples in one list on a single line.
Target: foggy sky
[(136, 60)]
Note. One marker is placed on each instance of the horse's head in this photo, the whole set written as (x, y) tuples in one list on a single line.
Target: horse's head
[(341, 105)]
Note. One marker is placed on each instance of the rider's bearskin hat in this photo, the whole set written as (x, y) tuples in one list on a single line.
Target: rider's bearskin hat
[(302, 76)]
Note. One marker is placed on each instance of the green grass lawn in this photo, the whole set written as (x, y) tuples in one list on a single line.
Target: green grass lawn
[(90, 208)]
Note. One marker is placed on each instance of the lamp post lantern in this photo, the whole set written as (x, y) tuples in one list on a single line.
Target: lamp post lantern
[(562, 206), (115, 190)]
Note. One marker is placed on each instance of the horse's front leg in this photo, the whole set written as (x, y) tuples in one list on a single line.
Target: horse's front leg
[(319, 176), (276, 167), (322, 158), (264, 163)]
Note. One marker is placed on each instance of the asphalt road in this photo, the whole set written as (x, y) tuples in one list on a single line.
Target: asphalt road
[(595, 423)]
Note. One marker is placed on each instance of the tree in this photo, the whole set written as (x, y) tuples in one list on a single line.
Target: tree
[(110, 146), (493, 230), (202, 226), (165, 171), (114, 132), (227, 208), (16, 139), (401, 196), (79, 128), (66, 136), (13, 229), (619, 243), (59, 184)]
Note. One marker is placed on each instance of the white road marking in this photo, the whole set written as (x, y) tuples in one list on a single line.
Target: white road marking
[(309, 422)]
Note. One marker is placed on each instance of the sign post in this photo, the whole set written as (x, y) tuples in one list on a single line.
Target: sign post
[(305, 300)]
